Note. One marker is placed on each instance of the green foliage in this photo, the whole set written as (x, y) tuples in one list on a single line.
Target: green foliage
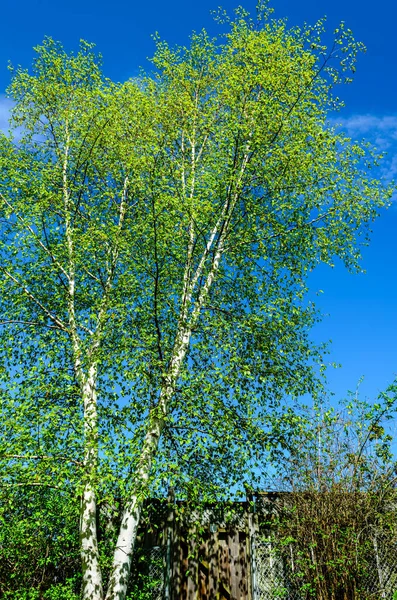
[(145, 582), (156, 238), (62, 591), (341, 499), (39, 542)]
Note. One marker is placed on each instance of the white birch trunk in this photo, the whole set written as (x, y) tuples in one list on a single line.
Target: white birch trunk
[(122, 557), (92, 577)]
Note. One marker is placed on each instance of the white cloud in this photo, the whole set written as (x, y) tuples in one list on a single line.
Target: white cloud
[(5, 107), (382, 131), (393, 167)]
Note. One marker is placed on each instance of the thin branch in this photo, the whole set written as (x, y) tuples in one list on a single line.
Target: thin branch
[(32, 323), (156, 284), (48, 246), (29, 294), (35, 236), (94, 277), (41, 457), (31, 484)]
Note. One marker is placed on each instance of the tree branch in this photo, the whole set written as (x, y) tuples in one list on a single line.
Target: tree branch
[(29, 294)]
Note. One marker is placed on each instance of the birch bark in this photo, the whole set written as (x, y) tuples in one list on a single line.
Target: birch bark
[(92, 577), (92, 588)]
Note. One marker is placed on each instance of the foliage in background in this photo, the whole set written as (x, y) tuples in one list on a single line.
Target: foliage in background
[(336, 527), (39, 545)]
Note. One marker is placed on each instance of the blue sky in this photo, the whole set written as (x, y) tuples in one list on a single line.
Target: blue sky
[(362, 319)]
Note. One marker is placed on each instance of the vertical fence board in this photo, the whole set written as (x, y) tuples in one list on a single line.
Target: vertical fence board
[(192, 579), (224, 564), (235, 574), (243, 566), (213, 563)]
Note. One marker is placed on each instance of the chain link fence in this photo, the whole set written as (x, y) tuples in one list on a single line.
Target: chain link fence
[(381, 580), (156, 560), (271, 578), (149, 574)]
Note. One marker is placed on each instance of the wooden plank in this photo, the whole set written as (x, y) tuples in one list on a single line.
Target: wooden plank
[(176, 564), (203, 566), (251, 529), (235, 572), (244, 566), (224, 561), (219, 570), (213, 561), (192, 579), (169, 544), (184, 565)]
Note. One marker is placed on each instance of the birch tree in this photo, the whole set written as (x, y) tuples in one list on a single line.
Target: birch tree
[(156, 240)]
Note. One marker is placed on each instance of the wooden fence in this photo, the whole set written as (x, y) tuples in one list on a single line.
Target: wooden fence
[(221, 570), (207, 555), (226, 552)]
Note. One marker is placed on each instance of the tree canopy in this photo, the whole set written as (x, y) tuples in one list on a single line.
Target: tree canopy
[(156, 237)]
